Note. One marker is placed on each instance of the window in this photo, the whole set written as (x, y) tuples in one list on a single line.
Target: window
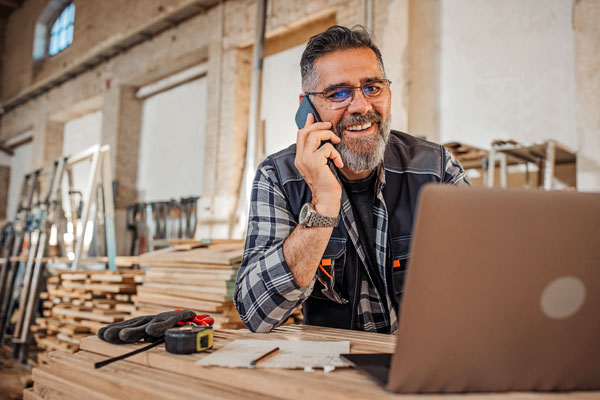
[(61, 34)]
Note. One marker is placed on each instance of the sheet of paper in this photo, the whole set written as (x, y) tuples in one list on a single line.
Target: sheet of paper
[(291, 355)]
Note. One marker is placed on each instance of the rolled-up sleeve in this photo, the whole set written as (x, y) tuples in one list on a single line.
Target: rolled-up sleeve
[(265, 292)]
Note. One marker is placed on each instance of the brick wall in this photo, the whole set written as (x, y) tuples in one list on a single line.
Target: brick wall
[(97, 24)]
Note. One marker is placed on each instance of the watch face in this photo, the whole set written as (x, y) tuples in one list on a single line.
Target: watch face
[(303, 217)]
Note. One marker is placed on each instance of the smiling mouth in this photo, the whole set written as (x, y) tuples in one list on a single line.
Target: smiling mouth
[(359, 127)]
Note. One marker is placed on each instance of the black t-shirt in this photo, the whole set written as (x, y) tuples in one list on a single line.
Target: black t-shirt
[(362, 195)]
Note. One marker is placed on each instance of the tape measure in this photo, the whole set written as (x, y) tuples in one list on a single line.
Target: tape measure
[(189, 339)]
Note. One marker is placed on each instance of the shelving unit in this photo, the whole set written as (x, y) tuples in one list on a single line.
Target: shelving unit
[(545, 155)]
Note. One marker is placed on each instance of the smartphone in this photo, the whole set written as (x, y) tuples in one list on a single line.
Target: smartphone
[(306, 107)]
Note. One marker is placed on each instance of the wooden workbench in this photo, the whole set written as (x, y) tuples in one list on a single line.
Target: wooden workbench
[(156, 374)]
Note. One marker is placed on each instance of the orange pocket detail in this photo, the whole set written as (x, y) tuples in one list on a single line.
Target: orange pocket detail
[(396, 264), (326, 262), (325, 272)]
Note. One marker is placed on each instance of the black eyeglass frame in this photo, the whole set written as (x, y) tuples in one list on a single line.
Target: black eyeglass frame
[(362, 89)]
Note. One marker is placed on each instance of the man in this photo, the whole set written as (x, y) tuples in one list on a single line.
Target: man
[(330, 222)]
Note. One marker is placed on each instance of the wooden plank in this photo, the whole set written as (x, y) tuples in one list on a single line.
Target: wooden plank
[(89, 315), (188, 246), (50, 343), (196, 256), (172, 290), (94, 326), (125, 307), (107, 311), (180, 302), (73, 329), (112, 278), (122, 297), (30, 394), (74, 277), (216, 283), (74, 340), (188, 265), (125, 380), (110, 288), (67, 388), (189, 288), (192, 274)]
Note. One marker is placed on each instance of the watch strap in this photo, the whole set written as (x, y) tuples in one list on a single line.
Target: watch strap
[(316, 219)]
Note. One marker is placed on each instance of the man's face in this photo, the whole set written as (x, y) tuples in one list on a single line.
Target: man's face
[(363, 125)]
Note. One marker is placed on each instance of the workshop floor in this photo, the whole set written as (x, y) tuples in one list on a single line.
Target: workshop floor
[(13, 379)]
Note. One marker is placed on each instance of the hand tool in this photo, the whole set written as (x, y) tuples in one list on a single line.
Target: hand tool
[(188, 339), (193, 335)]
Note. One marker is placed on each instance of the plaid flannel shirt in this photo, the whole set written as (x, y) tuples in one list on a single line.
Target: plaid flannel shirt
[(266, 292)]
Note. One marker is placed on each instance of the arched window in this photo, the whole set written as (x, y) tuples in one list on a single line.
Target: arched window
[(61, 34), (54, 29)]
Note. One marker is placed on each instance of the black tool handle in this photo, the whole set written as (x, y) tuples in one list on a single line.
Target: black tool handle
[(132, 353)]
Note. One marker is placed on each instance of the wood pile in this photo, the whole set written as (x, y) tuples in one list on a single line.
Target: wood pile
[(195, 275), (78, 303)]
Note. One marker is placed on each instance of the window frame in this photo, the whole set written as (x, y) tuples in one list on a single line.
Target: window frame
[(69, 24)]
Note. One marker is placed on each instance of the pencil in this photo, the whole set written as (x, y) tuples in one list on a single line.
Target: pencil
[(264, 356)]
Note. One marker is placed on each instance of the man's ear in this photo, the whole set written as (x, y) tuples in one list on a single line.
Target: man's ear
[(300, 97)]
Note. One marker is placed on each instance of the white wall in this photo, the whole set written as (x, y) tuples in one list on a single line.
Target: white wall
[(507, 71), (80, 134), (20, 166), (280, 89), (172, 143)]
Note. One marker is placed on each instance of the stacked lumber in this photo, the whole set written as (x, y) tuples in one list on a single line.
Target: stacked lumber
[(79, 303), (197, 275)]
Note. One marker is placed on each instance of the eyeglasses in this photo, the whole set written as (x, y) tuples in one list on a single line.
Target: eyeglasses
[(341, 96)]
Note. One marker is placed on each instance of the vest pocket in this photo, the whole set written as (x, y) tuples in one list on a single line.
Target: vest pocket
[(330, 273), (400, 247)]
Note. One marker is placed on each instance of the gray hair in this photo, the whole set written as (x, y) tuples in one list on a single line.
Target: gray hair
[(335, 38)]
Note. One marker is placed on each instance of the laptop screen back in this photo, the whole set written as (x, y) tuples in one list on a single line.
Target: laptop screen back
[(502, 293)]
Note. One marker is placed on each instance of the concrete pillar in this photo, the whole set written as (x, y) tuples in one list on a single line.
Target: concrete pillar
[(587, 82), (391, 27), (424, 68), (53, 141), (47, 143), (121, 122), (4, 184)]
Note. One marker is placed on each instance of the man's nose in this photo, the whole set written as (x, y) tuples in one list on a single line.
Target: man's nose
[(359, 103)]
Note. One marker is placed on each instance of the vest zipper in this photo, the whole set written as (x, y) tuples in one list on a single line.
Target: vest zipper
[(356, 296)]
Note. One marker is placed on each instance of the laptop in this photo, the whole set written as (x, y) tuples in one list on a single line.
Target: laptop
[(502, 294)]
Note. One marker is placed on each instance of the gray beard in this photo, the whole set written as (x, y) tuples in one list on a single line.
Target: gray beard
[(365, 154)]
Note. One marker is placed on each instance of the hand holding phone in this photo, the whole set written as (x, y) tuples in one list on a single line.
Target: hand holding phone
[(315, 154)]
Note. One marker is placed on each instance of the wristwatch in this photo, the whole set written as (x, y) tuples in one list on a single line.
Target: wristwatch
[(309, 217)]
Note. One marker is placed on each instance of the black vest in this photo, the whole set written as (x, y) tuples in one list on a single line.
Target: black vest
[(409, 163)]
